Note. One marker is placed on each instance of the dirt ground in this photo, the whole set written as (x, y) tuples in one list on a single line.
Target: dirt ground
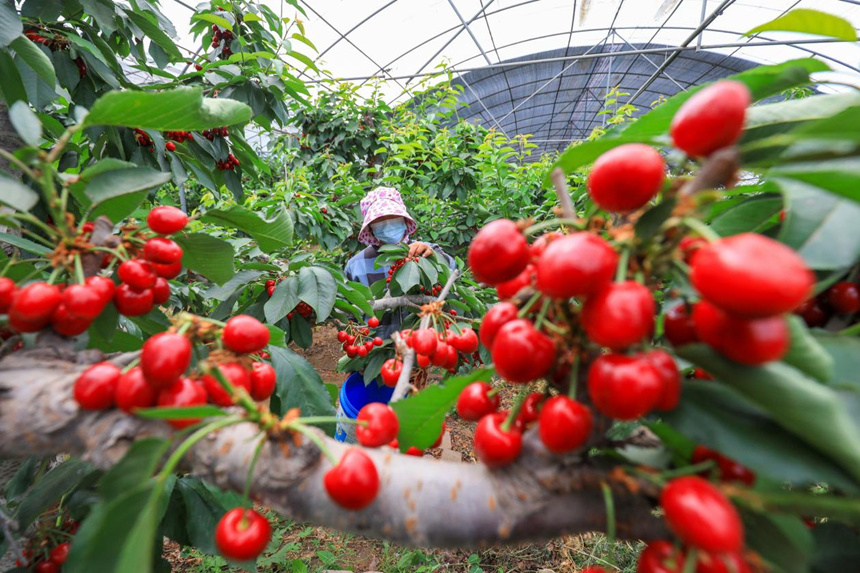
[(305, 548)]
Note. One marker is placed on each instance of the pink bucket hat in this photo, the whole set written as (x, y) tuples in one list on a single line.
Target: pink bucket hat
[(381, 202)]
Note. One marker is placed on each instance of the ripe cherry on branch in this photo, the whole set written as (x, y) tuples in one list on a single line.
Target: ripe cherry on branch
[(626, 178), (712, 118)]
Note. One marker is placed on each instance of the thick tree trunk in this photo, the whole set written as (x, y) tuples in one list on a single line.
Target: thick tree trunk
[(421, 502)]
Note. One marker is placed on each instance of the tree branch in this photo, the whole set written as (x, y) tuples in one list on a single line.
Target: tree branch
[(411, 301), (422, 502)]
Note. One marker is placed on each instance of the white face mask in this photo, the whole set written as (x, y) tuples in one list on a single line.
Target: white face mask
[(390, 231)]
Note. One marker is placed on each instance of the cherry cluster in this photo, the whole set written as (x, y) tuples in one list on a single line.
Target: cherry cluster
[(303, 309), (357, 340), (54, 42), (160, 380), (227, 164), (142, 138), (179, 136), (843, 299), (439, 348), (397, 265), (210, 134), (226, 36), (48, 548)]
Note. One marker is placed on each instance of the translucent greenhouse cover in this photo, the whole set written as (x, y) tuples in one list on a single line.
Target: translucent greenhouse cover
[(544, 67)]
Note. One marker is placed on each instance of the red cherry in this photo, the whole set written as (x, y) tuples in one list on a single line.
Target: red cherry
[(660, 557), (390, 372), (350, 339), (137, 274), (83, 301), (170, 146), (721, 563), (576, 265), (670, 378), (162, 250), (47, 567), (130, 302), (67, 324), (498, 253), (354, 482), (712, 118), (7, 293), (619, 315), (746, 341), (509, 289), (184, 393), (133, 391), (377, 341), (103, 286), (751, 275), (530, 410), (812, 313), (35, 304), (624, 387), (95, 388), (453, 358), (169, 271), (373, 322), (496, 317), (678, 326), (245, 334), (466, 342), (242, 534), (474, 402), (438, 441), (521, 353), (626, 178), (235, 375), (361, 351), (341, 336), (424, 341), (440, 355), (263, 381), (422, 360), (701, 516), (381, 428), (730, 470), (700, 374), (844, 297), (539, 246), (60, 553), (493, 446), (161, 291), (690, 246), (164, 358), (564, 424)]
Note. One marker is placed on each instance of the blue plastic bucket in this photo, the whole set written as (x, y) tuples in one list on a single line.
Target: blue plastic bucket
[(355, 395)]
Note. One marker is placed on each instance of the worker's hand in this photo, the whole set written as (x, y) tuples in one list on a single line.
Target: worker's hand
[(419, 249)]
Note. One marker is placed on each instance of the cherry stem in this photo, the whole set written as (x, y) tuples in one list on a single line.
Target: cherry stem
[(692, 561), (851, 330), (326, 419), (553, 327), (688, 470), (248, 481), (542, 314), (623, 260), (610, 520), (701, 228), (559, 183), (312, 436), (526, 307), (515, 410), (493, 391), (574, 378), (18, 163), (79, 270), (538, 227), (241, 398), (114, 252), (38, 223), (189, 442), (131, 365), (54, 274)]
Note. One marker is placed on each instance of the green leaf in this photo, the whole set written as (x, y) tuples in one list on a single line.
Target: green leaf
[(421, 415), (115, 183), (359, 299), (239, 280), (12, 87), (813, 412), (135, 468), (821, 227), (25, 123), (837, 176), (783, 540), (750, 215), (155, 33), (805, 353), (180, 413), (283, 300), (207, 255), (408, 276), (120, 341), (781, 117), (299, 386), (374, 365), (15, 194), (180, 109), (718, 417), (36, 59), (25, 244), (53, 486), (22, 479), (845, 352), (277, 337), (217, 20), (10, 24), (270, 235), (300, 331), (649, 223), (429, 270), (807, 21), (837, 548), (318, 288)]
